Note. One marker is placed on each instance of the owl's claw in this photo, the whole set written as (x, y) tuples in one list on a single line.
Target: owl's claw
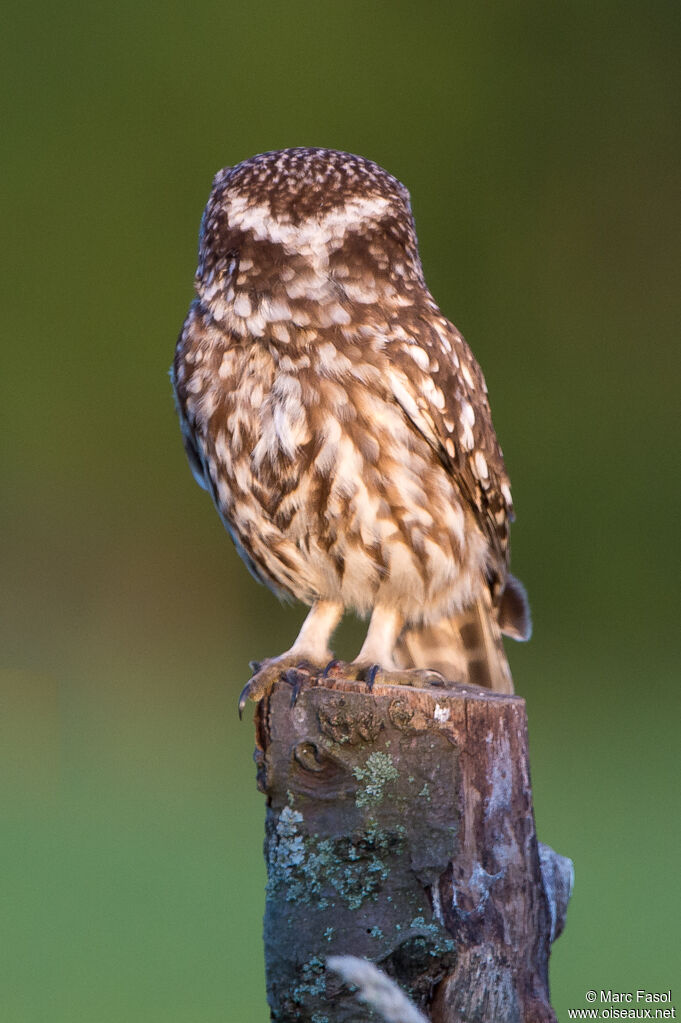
[(265, 674), (295, 679), (243, 699), (331, 667), (369, 676), (293, 670)]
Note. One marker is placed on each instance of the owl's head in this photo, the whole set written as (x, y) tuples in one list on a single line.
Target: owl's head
[(305, 221)]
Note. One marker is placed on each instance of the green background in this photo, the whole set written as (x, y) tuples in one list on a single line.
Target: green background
[(541, 144)]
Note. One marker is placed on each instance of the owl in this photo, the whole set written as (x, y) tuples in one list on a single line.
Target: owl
[(341, 425)]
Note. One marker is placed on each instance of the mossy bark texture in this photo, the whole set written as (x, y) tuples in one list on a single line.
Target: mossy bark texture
[(400, 828)]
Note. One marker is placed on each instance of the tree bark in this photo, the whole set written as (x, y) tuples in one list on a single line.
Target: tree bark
[(400, 828)]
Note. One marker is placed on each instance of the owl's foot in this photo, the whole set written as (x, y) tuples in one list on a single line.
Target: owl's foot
[(375, 664), (373, 674), (291, 668), (307, 656)]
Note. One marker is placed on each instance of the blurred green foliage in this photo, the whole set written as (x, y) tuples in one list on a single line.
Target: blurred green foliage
[(541, 146)]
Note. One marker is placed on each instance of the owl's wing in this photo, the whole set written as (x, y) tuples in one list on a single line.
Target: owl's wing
[(439, 386), (190, 448), (437, 382)]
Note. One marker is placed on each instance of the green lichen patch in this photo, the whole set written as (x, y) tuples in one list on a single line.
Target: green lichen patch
[(312, 981), (314, 871), (374, 776), (435, 937), (287, 853)]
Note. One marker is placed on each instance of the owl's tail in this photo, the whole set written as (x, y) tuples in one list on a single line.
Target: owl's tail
[(468, 646)]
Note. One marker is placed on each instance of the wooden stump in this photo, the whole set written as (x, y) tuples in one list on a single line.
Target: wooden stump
[(400, 828)]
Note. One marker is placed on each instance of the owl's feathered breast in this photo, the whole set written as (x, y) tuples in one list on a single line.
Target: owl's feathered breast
[(365, 451)]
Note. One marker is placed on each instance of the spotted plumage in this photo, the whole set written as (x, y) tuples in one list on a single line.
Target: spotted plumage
[(341, 423)]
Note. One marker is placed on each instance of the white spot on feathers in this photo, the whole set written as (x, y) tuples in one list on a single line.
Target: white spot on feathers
[(275, 309), (465, 372), (467, 414), (466, 437), (481, 465), (419, 356), (242, 305)]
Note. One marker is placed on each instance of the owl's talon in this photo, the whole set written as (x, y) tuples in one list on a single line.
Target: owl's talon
[(295, 678), (368, 673), (259, 685), (243, 700), (370, 676), (331, 666)]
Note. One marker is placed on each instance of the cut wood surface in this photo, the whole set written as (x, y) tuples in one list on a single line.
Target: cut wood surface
[(400, 828)]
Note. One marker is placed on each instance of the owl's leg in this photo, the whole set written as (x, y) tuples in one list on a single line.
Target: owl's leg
[(311, 646), (384, 628), (376, 662)]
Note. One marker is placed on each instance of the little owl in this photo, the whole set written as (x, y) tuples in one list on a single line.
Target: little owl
[(341, 424)]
